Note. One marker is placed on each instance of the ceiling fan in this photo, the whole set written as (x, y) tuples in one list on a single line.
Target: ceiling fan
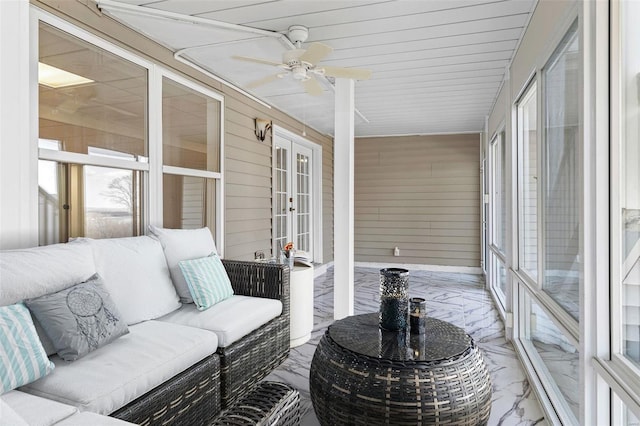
[(302, 64)]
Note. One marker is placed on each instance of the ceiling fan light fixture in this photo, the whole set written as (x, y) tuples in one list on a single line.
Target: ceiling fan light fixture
[(300, 73)]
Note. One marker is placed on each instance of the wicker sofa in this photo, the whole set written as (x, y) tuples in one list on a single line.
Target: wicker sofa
[(223, 369)]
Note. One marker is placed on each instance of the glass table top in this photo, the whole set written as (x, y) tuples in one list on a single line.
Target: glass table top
[(362, 335)]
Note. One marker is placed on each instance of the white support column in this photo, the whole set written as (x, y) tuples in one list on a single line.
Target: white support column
[(343, 225), (18, 128)]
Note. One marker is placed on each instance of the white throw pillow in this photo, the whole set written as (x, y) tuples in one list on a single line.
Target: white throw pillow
[(38, 271), (183, 244), (207, 280), (22, 357), (136, 275)]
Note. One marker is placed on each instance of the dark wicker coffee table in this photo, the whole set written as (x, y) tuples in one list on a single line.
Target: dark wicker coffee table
[(363, 375)]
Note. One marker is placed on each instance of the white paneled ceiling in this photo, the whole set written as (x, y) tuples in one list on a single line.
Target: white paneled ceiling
[(437, 64)]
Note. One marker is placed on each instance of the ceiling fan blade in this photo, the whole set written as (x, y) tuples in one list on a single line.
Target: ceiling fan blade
[(262, 81), (257, 60), (353, 73), (315, 53), (312, 87)]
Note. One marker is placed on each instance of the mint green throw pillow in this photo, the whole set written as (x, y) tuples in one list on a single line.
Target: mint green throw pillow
[(207, 280), (22, 357)]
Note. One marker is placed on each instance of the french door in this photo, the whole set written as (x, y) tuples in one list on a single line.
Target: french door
[(293, 197)]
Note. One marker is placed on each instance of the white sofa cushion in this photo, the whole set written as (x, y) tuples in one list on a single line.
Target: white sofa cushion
[(183, 244), (37, 411), (36, 271), (114, 375), (136, 276), (8, 416), (231, 319)]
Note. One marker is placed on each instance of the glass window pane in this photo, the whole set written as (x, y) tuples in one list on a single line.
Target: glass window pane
[(90, 99), (628, 213), (188, 202), (190, 128), (527, 131), (111, 202), (623, 414), (49, 203), (559, 357), (499, 204), (561, 173), (502, 278)]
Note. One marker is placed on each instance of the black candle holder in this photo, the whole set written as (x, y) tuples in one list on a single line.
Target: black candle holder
[(418, 315), (394, 299)]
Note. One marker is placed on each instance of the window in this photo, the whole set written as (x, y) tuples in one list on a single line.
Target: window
[(555, 358), (191, 135), (92, 140), (98, 175), (528, 179), (561, 180), (498, 191), (626, 205)]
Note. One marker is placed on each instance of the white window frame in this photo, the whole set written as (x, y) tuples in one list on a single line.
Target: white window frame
[(317, 187)]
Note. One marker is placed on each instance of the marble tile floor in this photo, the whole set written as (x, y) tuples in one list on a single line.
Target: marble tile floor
[(460, 299)]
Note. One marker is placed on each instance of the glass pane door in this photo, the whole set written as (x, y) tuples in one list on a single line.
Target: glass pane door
[(282, 194), (302, 190), (293, 186)]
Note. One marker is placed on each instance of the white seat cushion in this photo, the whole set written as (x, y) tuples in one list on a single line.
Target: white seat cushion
[(231, 319), (116, 374), (36, 411)]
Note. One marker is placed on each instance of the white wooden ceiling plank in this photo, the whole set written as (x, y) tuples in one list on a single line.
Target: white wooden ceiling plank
[(198, 7), (468, 16), (423, 105), (431, 93), (491, 68), (256, 13), (343, 41), (387, 57), (417, 127), (367, 11), (461, 82), (509, 35), (437, 66)]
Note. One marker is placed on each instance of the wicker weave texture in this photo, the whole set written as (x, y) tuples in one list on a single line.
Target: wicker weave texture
[(250, 359), (269, 403), (189, 398), (351, 389)]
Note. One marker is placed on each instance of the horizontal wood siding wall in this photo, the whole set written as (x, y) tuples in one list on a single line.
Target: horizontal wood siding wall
[(248, 178), (420, 194)]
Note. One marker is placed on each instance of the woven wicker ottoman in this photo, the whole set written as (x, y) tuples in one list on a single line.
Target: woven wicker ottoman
[(269, 403), (361, 375)]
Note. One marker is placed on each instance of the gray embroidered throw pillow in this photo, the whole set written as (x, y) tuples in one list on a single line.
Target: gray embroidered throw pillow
[(79, 319)]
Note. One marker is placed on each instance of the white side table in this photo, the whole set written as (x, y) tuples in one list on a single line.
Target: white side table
[(301, 308)]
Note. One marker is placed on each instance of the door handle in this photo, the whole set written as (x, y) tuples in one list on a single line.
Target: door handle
[(291, 209)]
